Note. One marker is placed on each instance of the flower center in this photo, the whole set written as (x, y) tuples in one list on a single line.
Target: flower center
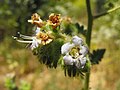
[(75, 52)]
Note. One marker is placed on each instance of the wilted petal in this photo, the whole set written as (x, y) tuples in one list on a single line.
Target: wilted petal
[(77, 40), (68, 60), (83, 50), (66, 48)]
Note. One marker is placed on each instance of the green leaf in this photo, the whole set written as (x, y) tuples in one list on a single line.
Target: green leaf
[(73, 29), (50, 54), (80, 29), (97, 55), (69, 29)]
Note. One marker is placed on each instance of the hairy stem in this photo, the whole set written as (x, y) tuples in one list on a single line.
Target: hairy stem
[(88, 40), (90, 23)]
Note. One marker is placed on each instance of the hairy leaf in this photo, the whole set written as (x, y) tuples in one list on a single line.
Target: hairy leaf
[(97, 55), (80, 29), (50, 54)]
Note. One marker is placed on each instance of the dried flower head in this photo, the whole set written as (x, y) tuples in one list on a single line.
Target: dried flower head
[(54, 20), (44, 37), (35, 19)]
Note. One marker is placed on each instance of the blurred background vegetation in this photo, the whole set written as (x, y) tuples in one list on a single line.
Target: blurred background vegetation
[(15, 58)]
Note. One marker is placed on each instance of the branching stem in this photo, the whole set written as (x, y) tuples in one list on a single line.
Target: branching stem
[(105, 13), (89, 33)]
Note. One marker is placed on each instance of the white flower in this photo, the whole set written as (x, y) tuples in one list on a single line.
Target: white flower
[(30, 39), (75, 52)]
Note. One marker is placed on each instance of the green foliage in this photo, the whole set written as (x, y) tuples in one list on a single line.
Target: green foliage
[(71, 28), (10, 83), (50, 54), (97, 55), (24, 86), (81, 29)]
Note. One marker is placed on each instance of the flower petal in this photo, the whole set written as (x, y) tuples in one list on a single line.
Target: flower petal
[(83, 50), (77, 63), (35, 44), (77, 40), (68, 60), (82, 61), (66, 48), (37, 30)]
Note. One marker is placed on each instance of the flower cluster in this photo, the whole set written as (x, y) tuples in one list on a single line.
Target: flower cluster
[(75, 53), (41, 37), (48, 44)]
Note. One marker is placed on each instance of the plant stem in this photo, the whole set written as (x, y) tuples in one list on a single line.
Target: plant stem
[(88, 40), (89, 32), (105, 13), (90, 23), (87, 78)]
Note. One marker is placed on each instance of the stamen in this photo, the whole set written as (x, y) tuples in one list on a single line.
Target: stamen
[(24, 41), (24, 36)]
